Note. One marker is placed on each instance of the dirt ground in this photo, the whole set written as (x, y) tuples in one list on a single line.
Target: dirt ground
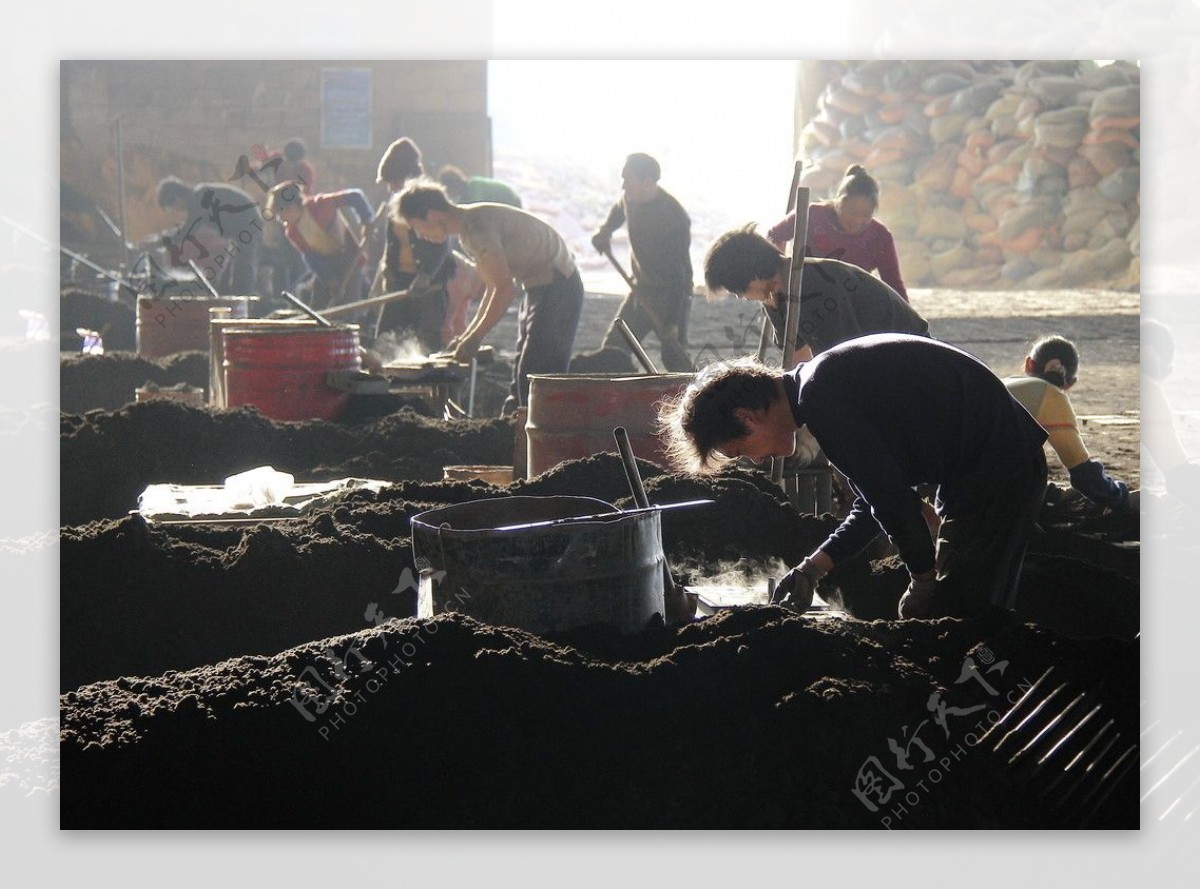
[(270, 674)]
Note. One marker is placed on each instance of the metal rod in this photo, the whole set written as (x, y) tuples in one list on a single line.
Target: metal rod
[(639, 351), (211, 289), (368, 303), (792, 318), (471, 387), (307, 310), (629, 462), (121, 186), (599, 517)]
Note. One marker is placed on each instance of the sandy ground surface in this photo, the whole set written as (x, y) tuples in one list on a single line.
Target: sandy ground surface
[(996, 326)]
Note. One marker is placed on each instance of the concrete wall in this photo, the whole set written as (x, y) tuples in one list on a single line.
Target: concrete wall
[(194, 118)]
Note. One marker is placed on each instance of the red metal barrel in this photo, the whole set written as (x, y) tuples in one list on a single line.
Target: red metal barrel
[(282, 372), (573, 415), (179, 324)]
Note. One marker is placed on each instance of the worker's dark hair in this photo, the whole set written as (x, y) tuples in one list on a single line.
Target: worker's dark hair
[(703, 417), (737, 258), (171, 191), (643, 166), (1158, 349), (454, 179), (401, 162), (857, 181), (285, 194), (1055, 360), (421, 196), (295, 150)]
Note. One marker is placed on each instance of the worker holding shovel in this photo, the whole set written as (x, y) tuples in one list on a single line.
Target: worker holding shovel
[(660, 241)]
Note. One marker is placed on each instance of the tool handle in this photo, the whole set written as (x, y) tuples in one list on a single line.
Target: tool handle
[(631, 471), (643, 357)]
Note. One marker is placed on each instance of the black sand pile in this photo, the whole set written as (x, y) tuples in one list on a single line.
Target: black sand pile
[(108, 458), (756, 718), (110, 381)]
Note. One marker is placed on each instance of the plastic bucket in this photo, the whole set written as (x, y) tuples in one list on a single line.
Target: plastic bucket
[(180, 324), (573, 415), (281, 371), (545, 579)]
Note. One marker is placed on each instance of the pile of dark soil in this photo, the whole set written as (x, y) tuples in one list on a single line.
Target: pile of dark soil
[(109, 382), (755, 718), (142, 599), (116, 322), (108, 459)]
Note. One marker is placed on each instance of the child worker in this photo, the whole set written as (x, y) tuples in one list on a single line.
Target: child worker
[(1050, 371), (891, 412)]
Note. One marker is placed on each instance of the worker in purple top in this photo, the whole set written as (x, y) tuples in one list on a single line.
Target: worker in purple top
[(846, 229), (891, 412)]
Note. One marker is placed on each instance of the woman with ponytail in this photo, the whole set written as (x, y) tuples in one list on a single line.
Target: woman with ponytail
[(846, 229), (1050, 371)]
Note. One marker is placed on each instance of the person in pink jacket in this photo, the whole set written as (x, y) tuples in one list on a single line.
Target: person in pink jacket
[(846, 229)]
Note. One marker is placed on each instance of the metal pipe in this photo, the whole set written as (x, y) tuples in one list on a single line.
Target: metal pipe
[(471, 387), (638, 350), (631, 471), (368, 303), (795, 276), (211, 289), (121, 185), (306, 309), (599, 517)]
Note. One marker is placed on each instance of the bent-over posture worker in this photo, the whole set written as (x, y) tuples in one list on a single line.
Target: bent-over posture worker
[(891, 412), (317, 228), (838, 300), (508, 245), (1050, 371)]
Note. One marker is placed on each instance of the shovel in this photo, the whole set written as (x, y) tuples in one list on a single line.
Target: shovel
[(664, 332)]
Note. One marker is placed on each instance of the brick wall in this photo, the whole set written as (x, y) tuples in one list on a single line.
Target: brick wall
[(193, 120)]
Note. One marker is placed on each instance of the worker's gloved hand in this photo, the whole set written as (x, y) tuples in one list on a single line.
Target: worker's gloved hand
[(602, 241), (1134, 503), (465, 349), (795, 589), (917, 601)]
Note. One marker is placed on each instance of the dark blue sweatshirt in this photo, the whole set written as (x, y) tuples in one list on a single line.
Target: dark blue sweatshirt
[(892, 411)]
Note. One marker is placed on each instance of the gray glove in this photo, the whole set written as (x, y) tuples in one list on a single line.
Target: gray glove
[(795, 590), (917, 601)]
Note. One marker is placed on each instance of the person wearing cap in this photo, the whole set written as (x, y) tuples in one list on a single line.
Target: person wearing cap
[(891, 412), (511, 247), (660, 243), (464, 189), (316, 226), (424, 268), (1050, 371), (838, 300)]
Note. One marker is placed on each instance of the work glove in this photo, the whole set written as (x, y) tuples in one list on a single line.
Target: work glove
[(917, 601), (602, 241), (795, 589)]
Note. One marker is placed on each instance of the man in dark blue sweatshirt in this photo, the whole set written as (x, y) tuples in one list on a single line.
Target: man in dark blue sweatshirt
[(891, 411)]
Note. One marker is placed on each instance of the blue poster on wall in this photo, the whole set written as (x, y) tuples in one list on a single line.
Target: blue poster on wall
[(345, 108)]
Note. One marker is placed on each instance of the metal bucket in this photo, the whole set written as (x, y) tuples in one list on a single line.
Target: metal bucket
[(168, 325), (545, 579), (281, 371), (573, 415)]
